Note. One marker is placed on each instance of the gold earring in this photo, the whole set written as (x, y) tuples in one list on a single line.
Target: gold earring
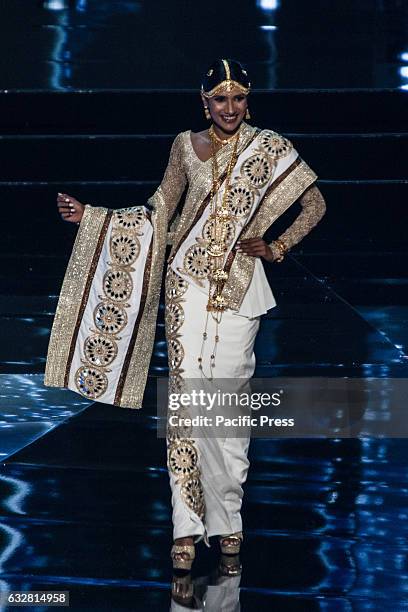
[(207, 113), (247, 114)]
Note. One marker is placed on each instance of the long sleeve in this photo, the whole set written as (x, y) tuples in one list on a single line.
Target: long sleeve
[(313, 209), (174, 179)]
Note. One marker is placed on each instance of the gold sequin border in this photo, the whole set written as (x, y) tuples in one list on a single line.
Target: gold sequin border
[(282, 194), (115, 266), (138, 363), (79, 274)]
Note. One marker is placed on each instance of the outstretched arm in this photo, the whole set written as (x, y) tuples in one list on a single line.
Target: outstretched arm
[(171, 188), (174, 180)]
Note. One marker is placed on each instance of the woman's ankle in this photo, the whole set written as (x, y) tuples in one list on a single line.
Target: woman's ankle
[(184, 541)]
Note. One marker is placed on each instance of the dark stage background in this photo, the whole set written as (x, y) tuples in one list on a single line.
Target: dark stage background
[(92, 94)]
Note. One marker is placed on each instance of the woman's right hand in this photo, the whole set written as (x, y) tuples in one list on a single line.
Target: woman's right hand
[(69, 208)]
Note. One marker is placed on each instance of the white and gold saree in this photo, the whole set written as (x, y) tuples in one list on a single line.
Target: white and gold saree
[(102, 338)]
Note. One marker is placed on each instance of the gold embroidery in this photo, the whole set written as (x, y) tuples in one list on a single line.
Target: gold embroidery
[(274, 144), (110, 318), (130, 218), (313, 209), (196, 263), (175, 289), (174, 316), (135, 373), (182, 451), (193, 495), (281, 196), (240, 199), (227, 69), (176, 354), (258, 169), (91, 382), (254, 173), (72, 291), (117, 285), (124, 249), (183, 458), (101, 348), (200, 179)]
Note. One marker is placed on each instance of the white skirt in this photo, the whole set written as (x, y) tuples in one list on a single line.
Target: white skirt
[(206, 473)]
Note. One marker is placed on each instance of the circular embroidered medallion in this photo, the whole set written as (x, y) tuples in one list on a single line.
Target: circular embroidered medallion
[(91, 382), (196, 262), (275, 145), (183, 458), (117, 285), (175, 285), (174, 317), (239, 199), (130, 218), (109, 318), (176, 353), (257, 169), (225, 230), (179, 429), (192, 493), (100, 351), (124, 249)]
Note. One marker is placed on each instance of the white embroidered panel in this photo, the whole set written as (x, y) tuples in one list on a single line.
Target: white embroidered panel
[(113, 305)]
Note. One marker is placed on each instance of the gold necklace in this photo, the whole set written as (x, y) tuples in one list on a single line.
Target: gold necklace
[(216, 250), (222, 141), (220, 216)]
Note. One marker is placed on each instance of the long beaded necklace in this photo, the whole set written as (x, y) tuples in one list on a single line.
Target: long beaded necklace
[(220, 216)]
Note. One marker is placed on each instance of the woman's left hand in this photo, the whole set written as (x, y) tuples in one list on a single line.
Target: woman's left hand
[(255, 247)]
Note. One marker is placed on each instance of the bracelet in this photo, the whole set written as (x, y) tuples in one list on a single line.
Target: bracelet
[(282, 248)]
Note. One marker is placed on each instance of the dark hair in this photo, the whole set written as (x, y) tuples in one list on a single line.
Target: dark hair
[(216, 73)]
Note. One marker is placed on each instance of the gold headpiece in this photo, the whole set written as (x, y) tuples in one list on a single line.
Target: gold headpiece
[(226, 86)]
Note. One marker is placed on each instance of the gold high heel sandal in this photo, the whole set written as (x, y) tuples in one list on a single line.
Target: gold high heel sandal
[(231, 544), (179, 556), (230, 565), (182, 589)]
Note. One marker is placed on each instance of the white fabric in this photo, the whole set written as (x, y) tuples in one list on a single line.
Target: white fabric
[(223, 462), (259, 297), (96, 296), (222, 595)]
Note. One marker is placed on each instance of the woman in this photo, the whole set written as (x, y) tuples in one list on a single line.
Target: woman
[(240, 180)]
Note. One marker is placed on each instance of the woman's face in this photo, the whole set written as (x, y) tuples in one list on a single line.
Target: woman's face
[(227, 110)]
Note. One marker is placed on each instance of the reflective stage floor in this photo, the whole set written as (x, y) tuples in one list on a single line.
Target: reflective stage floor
[(91, 97), (85, 508)]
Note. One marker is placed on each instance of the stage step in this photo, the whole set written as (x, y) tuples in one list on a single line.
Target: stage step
[(102, 157), (361, 215), (171, 111)]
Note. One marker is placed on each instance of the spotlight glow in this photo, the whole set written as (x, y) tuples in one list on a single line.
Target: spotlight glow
[(268, 5)]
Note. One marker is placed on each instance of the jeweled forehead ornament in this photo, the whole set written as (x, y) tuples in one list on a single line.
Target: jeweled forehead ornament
[(227, 85)]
